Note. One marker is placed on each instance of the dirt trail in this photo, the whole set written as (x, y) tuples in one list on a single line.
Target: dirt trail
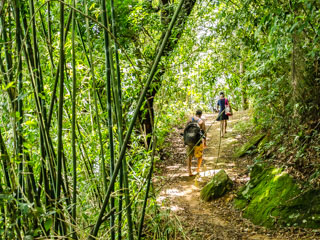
[(181, 193)]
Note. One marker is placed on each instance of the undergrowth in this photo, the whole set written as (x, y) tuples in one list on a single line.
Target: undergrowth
[(288, 144)]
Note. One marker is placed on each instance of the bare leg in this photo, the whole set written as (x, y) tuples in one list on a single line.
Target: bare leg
[(189, 164), (225, 126), (222, 128), (199, 164)]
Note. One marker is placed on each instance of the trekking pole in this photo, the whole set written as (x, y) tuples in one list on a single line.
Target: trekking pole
[(221, 123)]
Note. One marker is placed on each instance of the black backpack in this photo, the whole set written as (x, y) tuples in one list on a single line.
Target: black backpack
[(192, 134)]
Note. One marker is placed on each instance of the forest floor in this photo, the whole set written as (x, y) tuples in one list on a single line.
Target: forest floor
[(180, 194)]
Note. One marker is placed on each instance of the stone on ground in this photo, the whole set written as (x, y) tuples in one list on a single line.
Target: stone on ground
[(217, 187)]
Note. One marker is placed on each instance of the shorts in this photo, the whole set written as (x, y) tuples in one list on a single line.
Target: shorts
[(196, 151), (222, 116)]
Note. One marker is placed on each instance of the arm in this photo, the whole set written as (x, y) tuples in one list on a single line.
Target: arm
[(203, 127)]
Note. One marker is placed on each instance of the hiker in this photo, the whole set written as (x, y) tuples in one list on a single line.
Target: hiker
[(196, 145), (221, 105)]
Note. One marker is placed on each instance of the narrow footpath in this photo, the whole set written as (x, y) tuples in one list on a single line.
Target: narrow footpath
[(180, 193)]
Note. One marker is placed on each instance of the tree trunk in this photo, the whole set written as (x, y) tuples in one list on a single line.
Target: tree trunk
[(302, 91), (305, 75), (243, 88), (146, 115)]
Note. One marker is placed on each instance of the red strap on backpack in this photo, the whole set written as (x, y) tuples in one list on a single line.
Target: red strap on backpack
[(228, 111)]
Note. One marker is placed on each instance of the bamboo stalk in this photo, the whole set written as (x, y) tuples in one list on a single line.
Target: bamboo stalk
[(40, 109), (109, 108), (30, 179), (39, 81), (48, 41), (19, 150), (87, 163), (40, 116), (60, 117), (8, 58), (104, 175), (5, 161), (49, 28), (53, 96), (154, 145), (126, 140), (95, 97), (74, 152), (86, 160), (123, 167), (89, 168), (48, 143), (46, 148)]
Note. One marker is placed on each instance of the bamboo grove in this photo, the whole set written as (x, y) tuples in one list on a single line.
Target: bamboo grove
[(57, 111)]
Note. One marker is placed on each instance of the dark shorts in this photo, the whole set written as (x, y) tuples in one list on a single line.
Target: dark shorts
[(223, 116)]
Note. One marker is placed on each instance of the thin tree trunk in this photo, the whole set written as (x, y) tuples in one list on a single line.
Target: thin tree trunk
[(147, 113), (243, 87)]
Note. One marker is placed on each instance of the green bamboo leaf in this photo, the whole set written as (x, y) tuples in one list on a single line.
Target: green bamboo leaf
[(9, 85), (31, 123), (48, 224)]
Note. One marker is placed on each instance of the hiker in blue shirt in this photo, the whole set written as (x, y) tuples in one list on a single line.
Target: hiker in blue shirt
[(221, 105)]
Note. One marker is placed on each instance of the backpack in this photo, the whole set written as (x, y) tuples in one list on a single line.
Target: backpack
[(192, 133), (228, 109)]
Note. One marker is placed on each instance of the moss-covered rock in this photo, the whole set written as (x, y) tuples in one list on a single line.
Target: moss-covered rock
[(250, 144), (219, 185), (273, 197), (263, 142)]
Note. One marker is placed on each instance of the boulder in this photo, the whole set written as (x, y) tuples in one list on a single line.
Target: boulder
[(273, 198), (250, 144), (217, 187)]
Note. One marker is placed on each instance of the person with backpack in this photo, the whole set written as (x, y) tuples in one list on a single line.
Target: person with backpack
[(195, 139), (224, 113)]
